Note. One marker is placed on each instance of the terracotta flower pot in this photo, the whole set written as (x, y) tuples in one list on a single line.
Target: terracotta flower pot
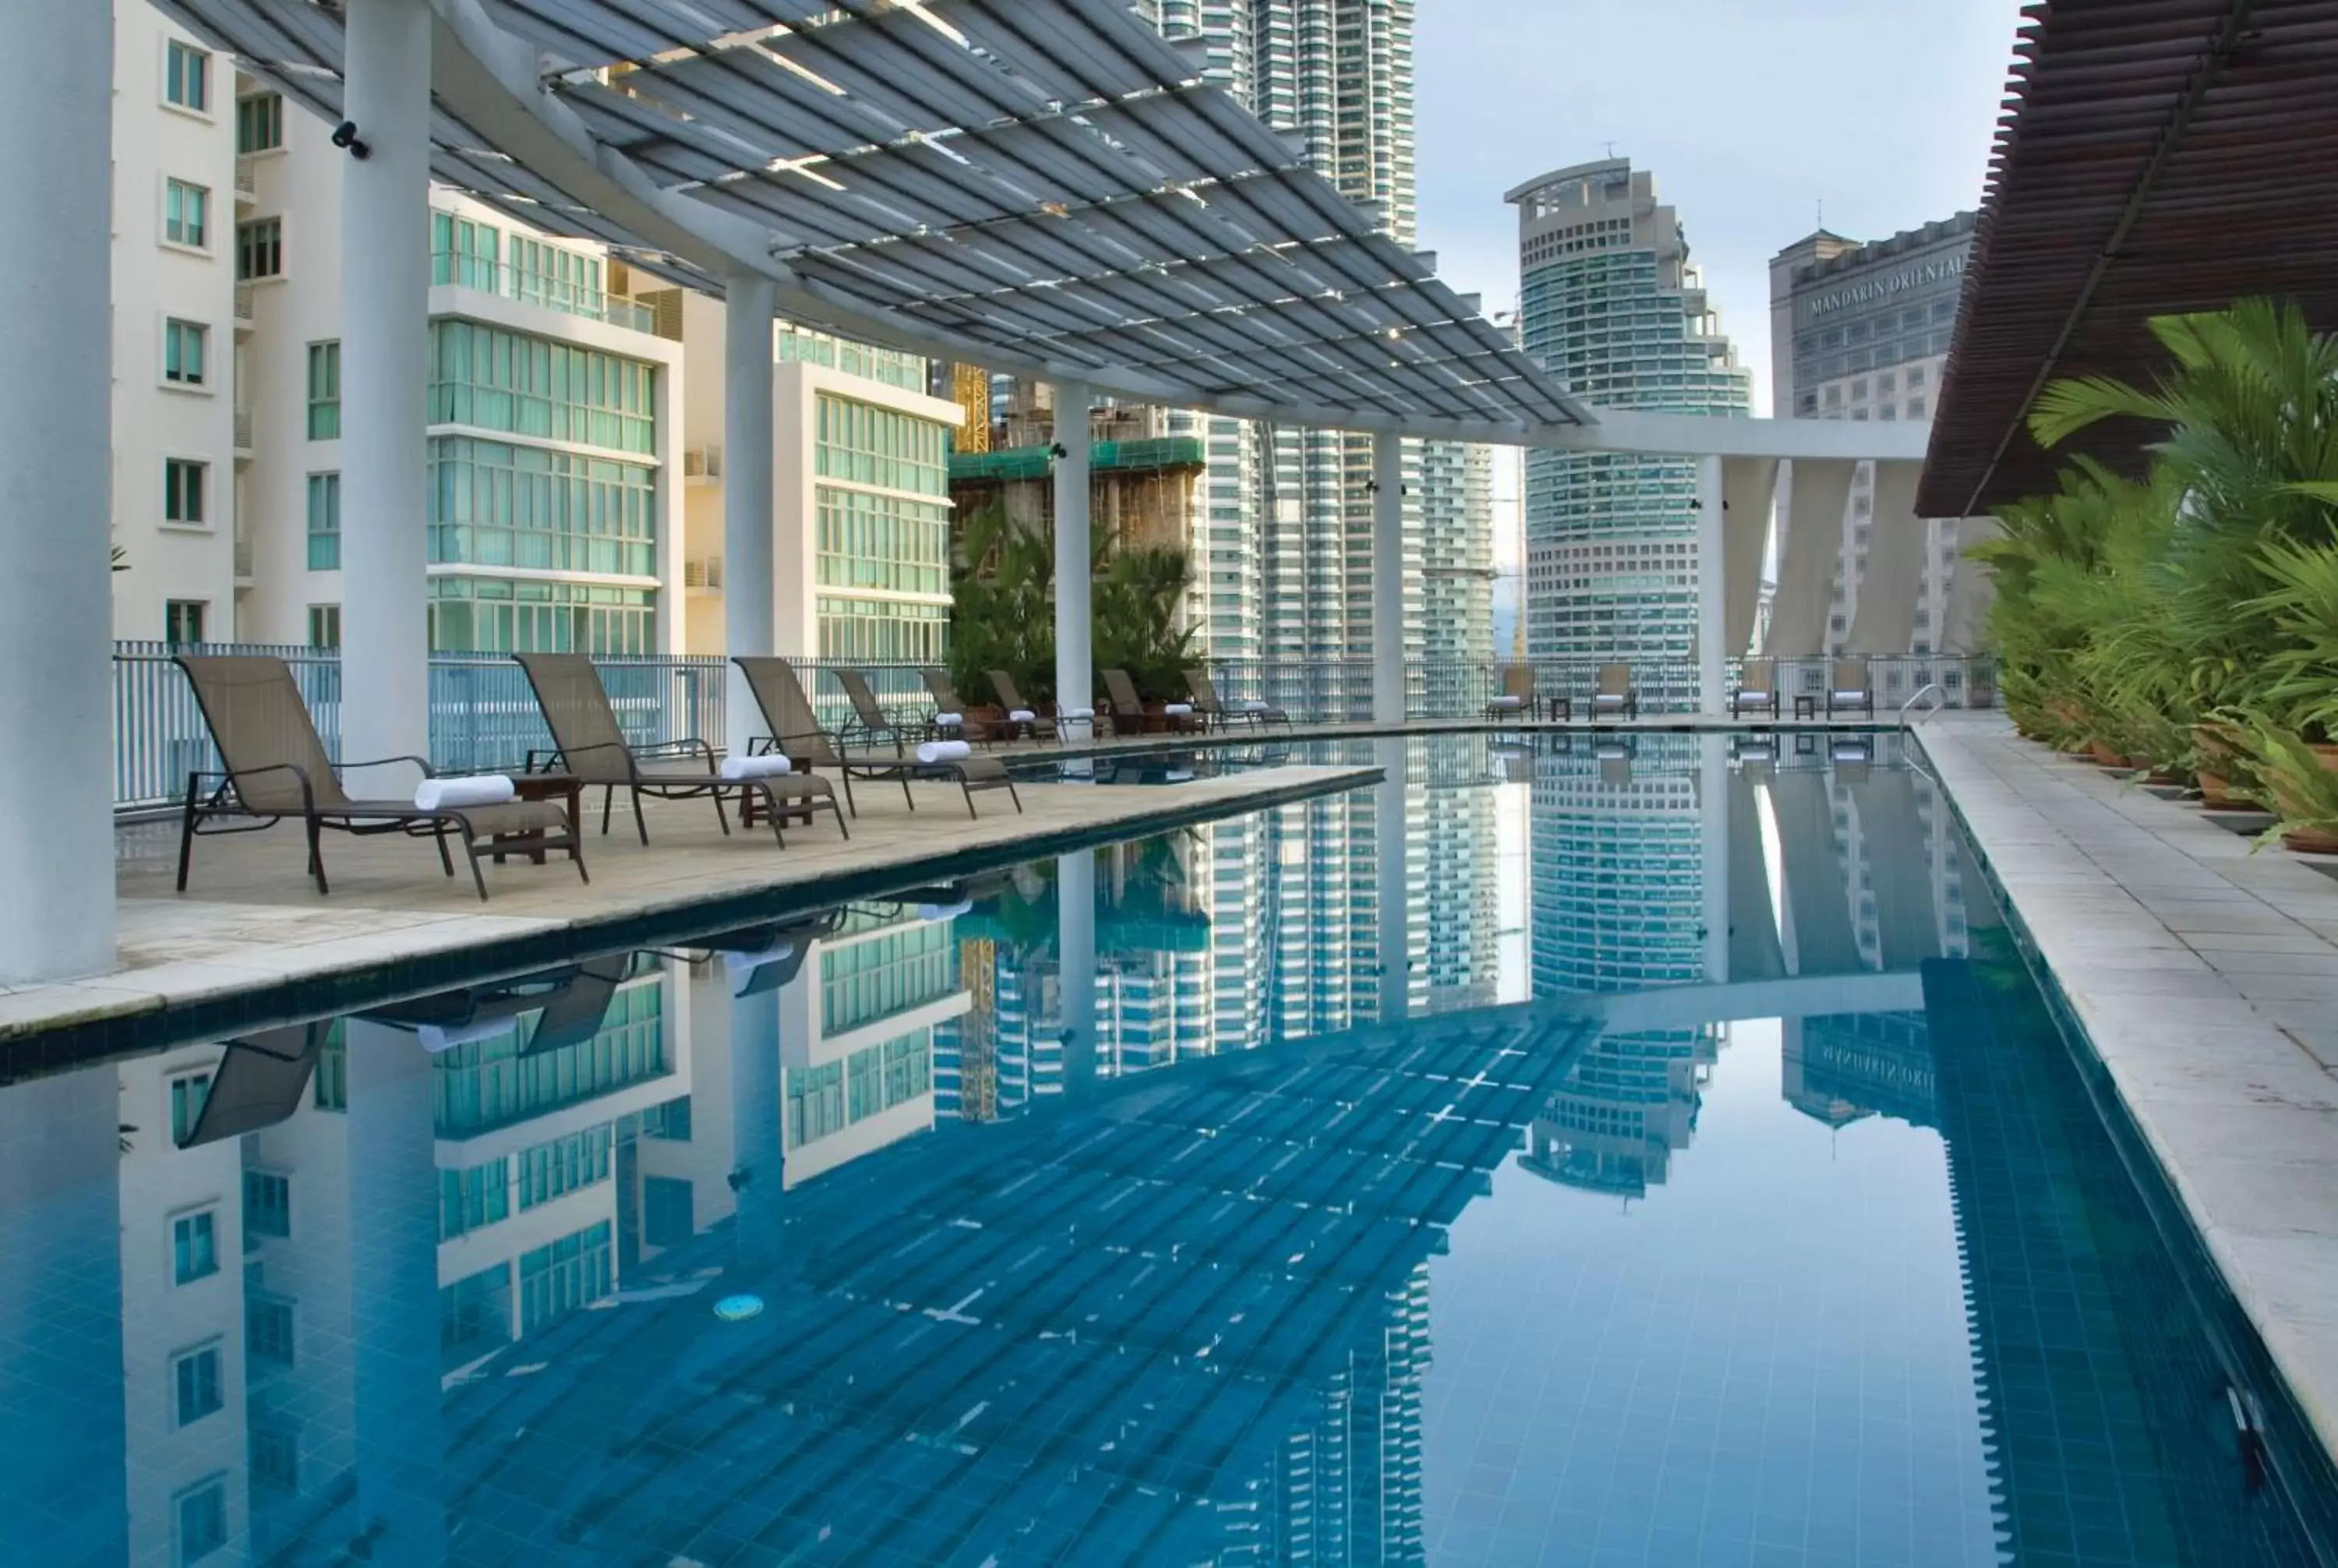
[(2215, 744), (2104, 757), (2306, 840)]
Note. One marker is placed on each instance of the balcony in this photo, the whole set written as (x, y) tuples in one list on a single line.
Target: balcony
[(244, 318), (247, 182), (243, 424), (244, 553), (534, 287), (702, 465)]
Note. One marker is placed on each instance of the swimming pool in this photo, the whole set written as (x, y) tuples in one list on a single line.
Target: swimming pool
[(1646, 1150)]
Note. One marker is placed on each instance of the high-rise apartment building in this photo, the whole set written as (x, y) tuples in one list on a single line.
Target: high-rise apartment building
[(1609, 305), (1860, 331), (574, 467), (1284, 543)]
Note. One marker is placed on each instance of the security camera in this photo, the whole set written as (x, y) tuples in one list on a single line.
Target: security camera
[(345, 134)]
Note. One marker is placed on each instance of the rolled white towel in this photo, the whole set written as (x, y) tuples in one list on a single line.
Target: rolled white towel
[(950, 721), (1076, 713), (1851, 696), (1020, 716), (1753, 699), (1507, 702), (769, 765), (945, 911), (932, 751), (1253, 706), (1177, 709), (454, 794), (1178, 776), (437, 1037)]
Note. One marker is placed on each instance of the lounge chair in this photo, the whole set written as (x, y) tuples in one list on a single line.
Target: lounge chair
[(1757, 688), (946, 702), (1517, 698), (1033, 722), (1128, 714), (1207, 704), (796, 734), (588, 743), (276, 767), (1850, 689), (873, 725), (1615, 694)]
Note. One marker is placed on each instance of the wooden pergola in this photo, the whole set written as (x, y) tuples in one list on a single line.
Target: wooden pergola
[(2155, 156)]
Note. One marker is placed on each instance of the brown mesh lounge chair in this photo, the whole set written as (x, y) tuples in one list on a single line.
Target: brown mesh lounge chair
[(945, 701), (1213, 710), (1038, 724), (277, 768), (796, 733), (1517, 696), (1850, 689), (1757, 688), (1614, 693), (587, 742), (1127, 709)]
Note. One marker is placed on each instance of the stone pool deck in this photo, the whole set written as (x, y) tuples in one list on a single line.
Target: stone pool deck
[(2206, 977), (251, 942)]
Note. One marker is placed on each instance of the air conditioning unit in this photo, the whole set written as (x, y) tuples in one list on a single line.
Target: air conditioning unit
[(705, 571), (701, 463)]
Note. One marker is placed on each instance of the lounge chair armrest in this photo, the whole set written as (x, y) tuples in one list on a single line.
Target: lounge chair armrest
[(421, 763), (691, 747), (308, 790)]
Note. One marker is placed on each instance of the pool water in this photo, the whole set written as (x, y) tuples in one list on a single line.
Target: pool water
[(1640, 1152)]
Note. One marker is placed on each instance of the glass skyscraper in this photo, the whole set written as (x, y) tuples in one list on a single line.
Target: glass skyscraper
[(1609, 305)]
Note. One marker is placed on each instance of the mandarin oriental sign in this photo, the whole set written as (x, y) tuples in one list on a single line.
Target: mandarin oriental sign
[(1871, 290)]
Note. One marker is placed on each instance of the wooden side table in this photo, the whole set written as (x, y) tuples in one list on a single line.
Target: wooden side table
[(1805, 705), (564, 787)]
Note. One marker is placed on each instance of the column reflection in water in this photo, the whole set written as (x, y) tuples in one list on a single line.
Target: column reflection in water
[(1390, 834), (1076, 980), (393, 1196), (61, 1443), (758, 1174)]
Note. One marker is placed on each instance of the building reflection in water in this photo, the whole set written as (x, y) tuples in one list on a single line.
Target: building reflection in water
[(1088, 1204)]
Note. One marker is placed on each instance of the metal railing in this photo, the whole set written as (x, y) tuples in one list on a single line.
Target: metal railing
[(484, 717), (534, 286)]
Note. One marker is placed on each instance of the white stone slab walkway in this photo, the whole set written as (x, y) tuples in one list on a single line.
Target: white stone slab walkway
[(2207, 977)]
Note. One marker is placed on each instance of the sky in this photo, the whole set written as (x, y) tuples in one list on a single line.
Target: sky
[(1751, 114)]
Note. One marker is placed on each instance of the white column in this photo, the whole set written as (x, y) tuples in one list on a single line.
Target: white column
[(1076, 966), (1387, 578), (749, 584), (393, 1229), (1074, 667), (1713, 648), (385, 376), (1392, 904), (56, 768)]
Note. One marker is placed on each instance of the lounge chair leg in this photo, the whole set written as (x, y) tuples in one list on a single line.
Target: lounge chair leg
[(905, 790), (846, 775), (478, 877), (720, 816), (607, 790), (840, 827), (187, 831), (317, 855), (445, 859), (968, 791), (770, 810), (643, 827), (1015, 795)]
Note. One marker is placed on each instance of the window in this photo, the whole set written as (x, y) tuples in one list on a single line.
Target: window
[(1915, 377), (259, 123), (275, 1457), (186, 77), (1859, 390), (324, 625), (325, 532), (1915, 407), (667, 1216), (182, 491), (194, 1247), (198, 1520), (194, 1384), (184, 344), (260, 248), (325, 391), (266, 1203), (268, 1328), (189, 1090), (185, 210), (183, 626)]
